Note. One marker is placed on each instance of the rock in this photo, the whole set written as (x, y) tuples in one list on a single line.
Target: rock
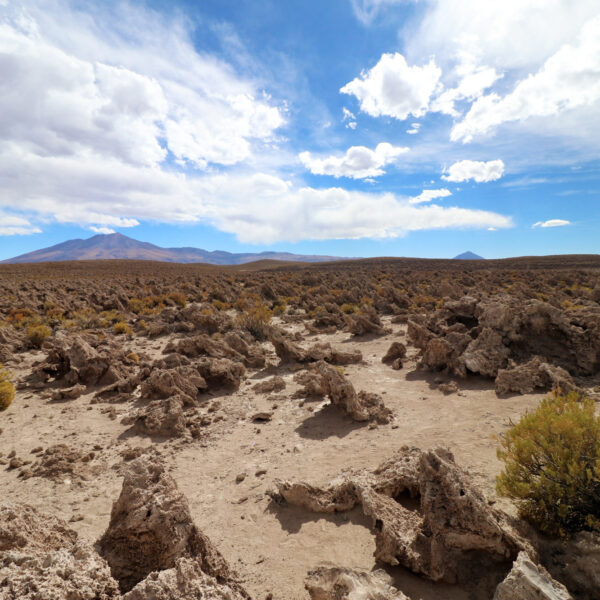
[(70, 393), (275, 384), (184, 381), (42, 559), (528, 581), (185, 581), (337, 583), (363, 322), (487, 354), (240, 477), (151, 529), (202, 345), (396, 351), (162, 418), (361, 407), (221, 372), (532, 375), (426, 514), (448, 388), (262, 417), (312, 385)]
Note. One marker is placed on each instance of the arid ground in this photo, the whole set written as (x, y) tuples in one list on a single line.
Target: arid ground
[(240, 379)]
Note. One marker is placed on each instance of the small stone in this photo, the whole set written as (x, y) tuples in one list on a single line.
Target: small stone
[(240, 477), (260, 472)]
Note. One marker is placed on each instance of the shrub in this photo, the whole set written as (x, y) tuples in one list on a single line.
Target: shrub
[(256, 320), (7, 389), (179, 298), (36, 334), (552, 465), (121, 328)]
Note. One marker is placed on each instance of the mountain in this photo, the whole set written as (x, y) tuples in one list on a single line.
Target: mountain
[(119, 246), (468, 256)]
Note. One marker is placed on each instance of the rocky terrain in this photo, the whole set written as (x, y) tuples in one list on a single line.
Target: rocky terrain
[(284, 432)]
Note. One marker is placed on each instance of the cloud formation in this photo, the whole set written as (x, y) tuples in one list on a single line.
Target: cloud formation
[(393, 88), (358, 162), (569, 79), (479, 171), (552, 223), (429, 195)]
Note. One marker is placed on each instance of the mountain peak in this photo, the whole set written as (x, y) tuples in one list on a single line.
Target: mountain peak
[(468, 255)]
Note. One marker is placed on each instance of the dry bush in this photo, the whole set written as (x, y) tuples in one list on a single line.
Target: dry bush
[(36, 334), (7, 389), (121, 328), (552, 465), (256, 320), (179, 298)]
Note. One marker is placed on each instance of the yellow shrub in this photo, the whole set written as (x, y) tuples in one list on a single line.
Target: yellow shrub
[(121, 328), (36, 334), (7, 389), (552, 465), (179, 298), (256, 320)]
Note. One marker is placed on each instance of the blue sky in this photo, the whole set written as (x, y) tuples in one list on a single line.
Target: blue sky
[(346, 127)]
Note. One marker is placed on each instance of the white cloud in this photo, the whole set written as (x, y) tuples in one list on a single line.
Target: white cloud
[(131, 89), (479, 171), (103, 230), (12, 225), (429, 195), (349, 118), (414, 129), (395, 89), (358, 162), (568, 79), (552, 223)]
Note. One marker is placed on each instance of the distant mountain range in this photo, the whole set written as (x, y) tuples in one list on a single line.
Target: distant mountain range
[(118, 246), (468, 256)]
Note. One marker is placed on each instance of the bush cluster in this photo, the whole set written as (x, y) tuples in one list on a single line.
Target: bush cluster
[(256, 320), (552, 465)]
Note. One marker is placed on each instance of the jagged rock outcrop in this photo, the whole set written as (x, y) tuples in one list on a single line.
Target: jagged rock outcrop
[(502, 334), (362, 406), (364, 321), (528, 581), (426, 514), (534, 375), (42, 559), (162, 418), (151, 529), (184, 381), (221, 372), (289, 352), (337, 583), (274, 384)]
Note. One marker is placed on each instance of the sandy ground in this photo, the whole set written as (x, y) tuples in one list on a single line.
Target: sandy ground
[(270, 546)]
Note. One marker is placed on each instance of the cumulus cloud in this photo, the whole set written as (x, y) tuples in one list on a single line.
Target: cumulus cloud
[(414, 129), (358, 162), (479, 171), (552, 223), (429, 195), (135, 96), (393, 88), (13, 225), (569, 79)]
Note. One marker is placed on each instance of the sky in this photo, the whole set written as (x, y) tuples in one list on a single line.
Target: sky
[(347, 127)]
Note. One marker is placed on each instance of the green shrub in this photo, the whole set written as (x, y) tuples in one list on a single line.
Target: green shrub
[(552, 465), (36, 334), (7, 389), (256, 320)]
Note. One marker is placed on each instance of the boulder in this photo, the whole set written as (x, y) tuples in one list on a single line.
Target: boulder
[(162, 418)]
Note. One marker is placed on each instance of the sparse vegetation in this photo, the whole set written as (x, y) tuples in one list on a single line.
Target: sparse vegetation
[(256, 320), (121, 328), (7, 389), (552, 465), (36, 334)]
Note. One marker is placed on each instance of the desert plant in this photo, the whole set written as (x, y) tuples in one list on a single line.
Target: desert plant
[(36, 334), (256, 320), (121, 328), (7, 389), (179, 298), (552, 465)]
